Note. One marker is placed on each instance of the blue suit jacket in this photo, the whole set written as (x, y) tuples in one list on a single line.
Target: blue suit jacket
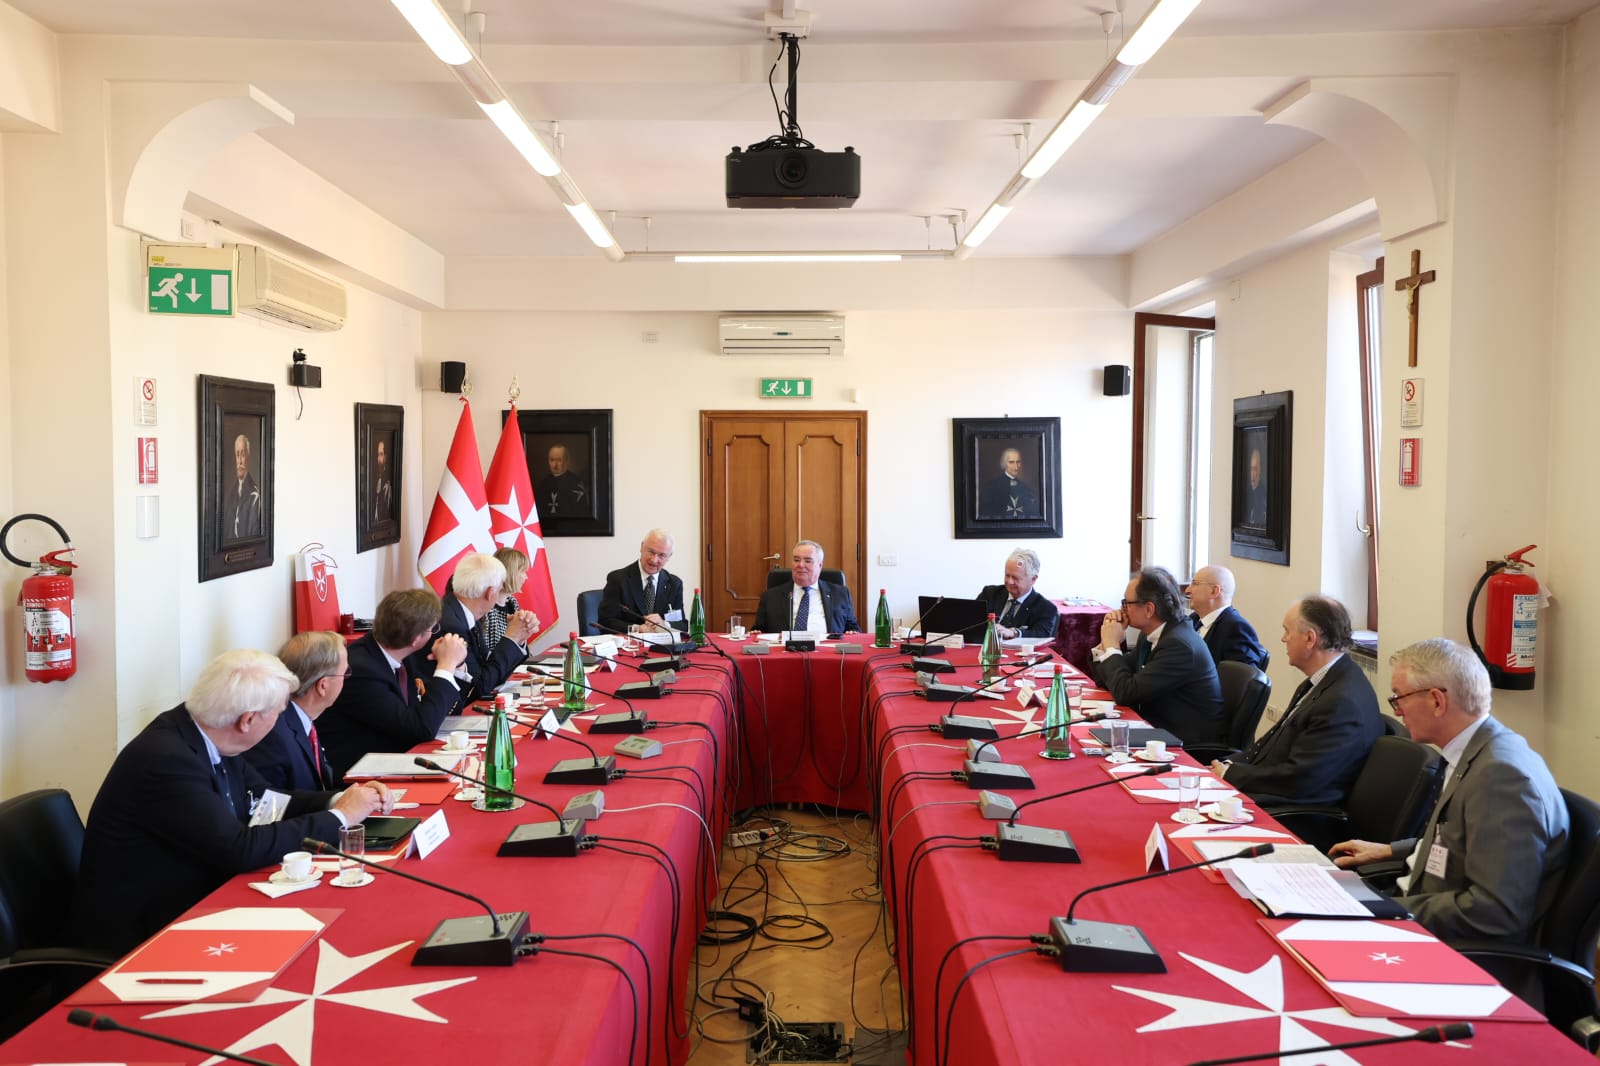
[(284, 758), (162, 836), (772, 615), (1233, 640), (372, 713)]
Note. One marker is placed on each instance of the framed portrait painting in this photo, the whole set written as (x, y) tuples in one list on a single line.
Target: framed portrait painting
[(380, 432), (569, 464), (1263, 431), (1007, 477), (236, 476)]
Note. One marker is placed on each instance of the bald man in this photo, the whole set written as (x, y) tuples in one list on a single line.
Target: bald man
[(1228, 636), (643, 594)]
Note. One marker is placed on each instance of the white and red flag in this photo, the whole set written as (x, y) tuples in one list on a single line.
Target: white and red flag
[(460, 520), (514, 521)]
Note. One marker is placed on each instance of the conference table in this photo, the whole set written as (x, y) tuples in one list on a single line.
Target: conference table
[(844, 730)]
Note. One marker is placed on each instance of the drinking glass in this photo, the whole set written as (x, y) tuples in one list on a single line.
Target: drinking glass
[(352, 841), (1119, 741), (1188, 796), (736, 626)]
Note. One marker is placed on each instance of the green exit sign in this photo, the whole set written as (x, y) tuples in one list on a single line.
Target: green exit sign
[(785, 389), (183, 280)]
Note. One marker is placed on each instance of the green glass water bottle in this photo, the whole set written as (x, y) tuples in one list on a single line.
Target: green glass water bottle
[(499, 765), (574, 690), (1057, 741), (697, 620), (881, 625), (989, 654)]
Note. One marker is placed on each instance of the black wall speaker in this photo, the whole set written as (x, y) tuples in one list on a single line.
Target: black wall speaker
[(451, 375), (1119, 380)]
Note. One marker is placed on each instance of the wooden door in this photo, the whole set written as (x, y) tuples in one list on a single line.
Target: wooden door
[(768, 481)]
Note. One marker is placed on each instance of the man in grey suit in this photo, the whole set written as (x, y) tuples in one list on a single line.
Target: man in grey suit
[(1170, 678), (1490, 859), (1314, 752)]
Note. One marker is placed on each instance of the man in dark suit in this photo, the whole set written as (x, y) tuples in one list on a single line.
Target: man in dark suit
[(806, 604), (1170, 678), (382, 486), (477, 586), (1321, 741), (562, 494), (1018, 610), (241, 504), (1491, 856), (171, 821), (291, 756), (1006, 495), (387, 703), (1225, 631), (643, 594)]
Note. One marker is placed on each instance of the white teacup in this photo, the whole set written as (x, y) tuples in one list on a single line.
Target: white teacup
[(1231, 808), (458, 740), (297, 866), (736, 632), (1155, 749)]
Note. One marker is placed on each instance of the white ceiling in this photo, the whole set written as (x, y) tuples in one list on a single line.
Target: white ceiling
[(650, 95)]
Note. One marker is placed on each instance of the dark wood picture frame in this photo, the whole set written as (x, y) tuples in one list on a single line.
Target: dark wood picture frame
[(1263, 435), (380, 431), (235, 526), (577, 502), (988, 501)]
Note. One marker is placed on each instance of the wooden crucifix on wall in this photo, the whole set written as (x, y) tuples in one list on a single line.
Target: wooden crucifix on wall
[(1412, 286)]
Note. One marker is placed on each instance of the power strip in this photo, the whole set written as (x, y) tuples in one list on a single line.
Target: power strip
[(749, 838)]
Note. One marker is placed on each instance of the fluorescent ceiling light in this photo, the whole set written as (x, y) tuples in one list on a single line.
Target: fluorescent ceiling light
[(436, 30), (584, 215), (522, 137), (790, 257), (1162, 22), (1069, 129), (991, 218)]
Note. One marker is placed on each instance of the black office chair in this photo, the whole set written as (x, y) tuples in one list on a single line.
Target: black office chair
[(780, 577), (1394, 727), (1245, 691), (589, 613), (1560, 961), (41, 839), (1390, 800)]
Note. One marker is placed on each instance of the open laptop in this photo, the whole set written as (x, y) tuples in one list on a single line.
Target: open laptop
[(943, 617)]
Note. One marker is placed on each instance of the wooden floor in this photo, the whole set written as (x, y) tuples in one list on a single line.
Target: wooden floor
[(815, 889)]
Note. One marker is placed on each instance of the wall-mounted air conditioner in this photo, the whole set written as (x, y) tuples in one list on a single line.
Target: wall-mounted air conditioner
[(791, 334), (271, 286)]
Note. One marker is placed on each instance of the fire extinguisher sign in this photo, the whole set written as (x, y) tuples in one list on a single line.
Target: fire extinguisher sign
[(1524, 631)]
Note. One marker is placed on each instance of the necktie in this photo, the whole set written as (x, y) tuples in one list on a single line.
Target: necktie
[(1194, 620), (400, 676), (316, 755), (650, 594), (1266, 738), (802, 617), (1143, 655), (1299, 694), (227, 789), (1010, 614)]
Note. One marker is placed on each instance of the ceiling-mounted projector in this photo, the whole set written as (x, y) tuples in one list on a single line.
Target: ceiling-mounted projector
[(786, 170), (789, 176)]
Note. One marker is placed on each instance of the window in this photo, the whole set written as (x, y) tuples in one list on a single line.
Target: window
[(1369, 330)]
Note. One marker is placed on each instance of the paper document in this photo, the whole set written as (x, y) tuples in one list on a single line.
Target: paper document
[(1296, 888), (1282, 854)]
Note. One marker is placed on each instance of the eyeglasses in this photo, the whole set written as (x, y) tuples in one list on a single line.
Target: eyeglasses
[(1130, 603), (1394, 701)]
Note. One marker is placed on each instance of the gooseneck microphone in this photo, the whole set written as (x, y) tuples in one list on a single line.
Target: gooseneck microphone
[(1027, 843), (537, 839), (1104, 947), (675, 646), (456, 941), (928, 643), (105, 1023), (632, 721), (917, 621), (1433, 1034), (592, 771)]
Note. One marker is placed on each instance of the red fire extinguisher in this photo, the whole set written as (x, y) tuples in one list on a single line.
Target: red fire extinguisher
[(1511, 617), (46, 602)]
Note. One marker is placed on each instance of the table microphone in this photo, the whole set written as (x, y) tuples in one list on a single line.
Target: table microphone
[(106, 1023), (937, 693), (456, 941), (537, 839), (675, 647), (1103, 947), (631, 721), (648, 665), (936, 666), (962, 726), (577, 771), (1433, 1034), (1026, 843)]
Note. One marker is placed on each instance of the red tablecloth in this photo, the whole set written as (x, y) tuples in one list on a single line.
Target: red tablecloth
[(1229, 989)]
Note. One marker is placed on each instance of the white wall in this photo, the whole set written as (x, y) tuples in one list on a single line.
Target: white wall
[(915, 371), (1570, 629)]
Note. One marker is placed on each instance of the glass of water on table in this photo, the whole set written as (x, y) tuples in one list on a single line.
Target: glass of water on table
[(1189, 778)]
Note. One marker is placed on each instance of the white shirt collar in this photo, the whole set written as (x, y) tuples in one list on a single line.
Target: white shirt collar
[(644, 576), (394, 664), (817, 620), (1456, 746), (305, 719), (472, 619), (1316, 678), (1155, 634), (211, 749), (1207, 619)]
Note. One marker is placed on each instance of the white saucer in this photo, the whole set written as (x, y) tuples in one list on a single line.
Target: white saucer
[(1210, 811), (1118, 757), (470, 749), (1145, 756), (278, 878), (471, 792), (364, 879)]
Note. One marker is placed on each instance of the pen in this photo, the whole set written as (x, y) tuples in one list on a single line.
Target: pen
[(171, 980), (413, 806)]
